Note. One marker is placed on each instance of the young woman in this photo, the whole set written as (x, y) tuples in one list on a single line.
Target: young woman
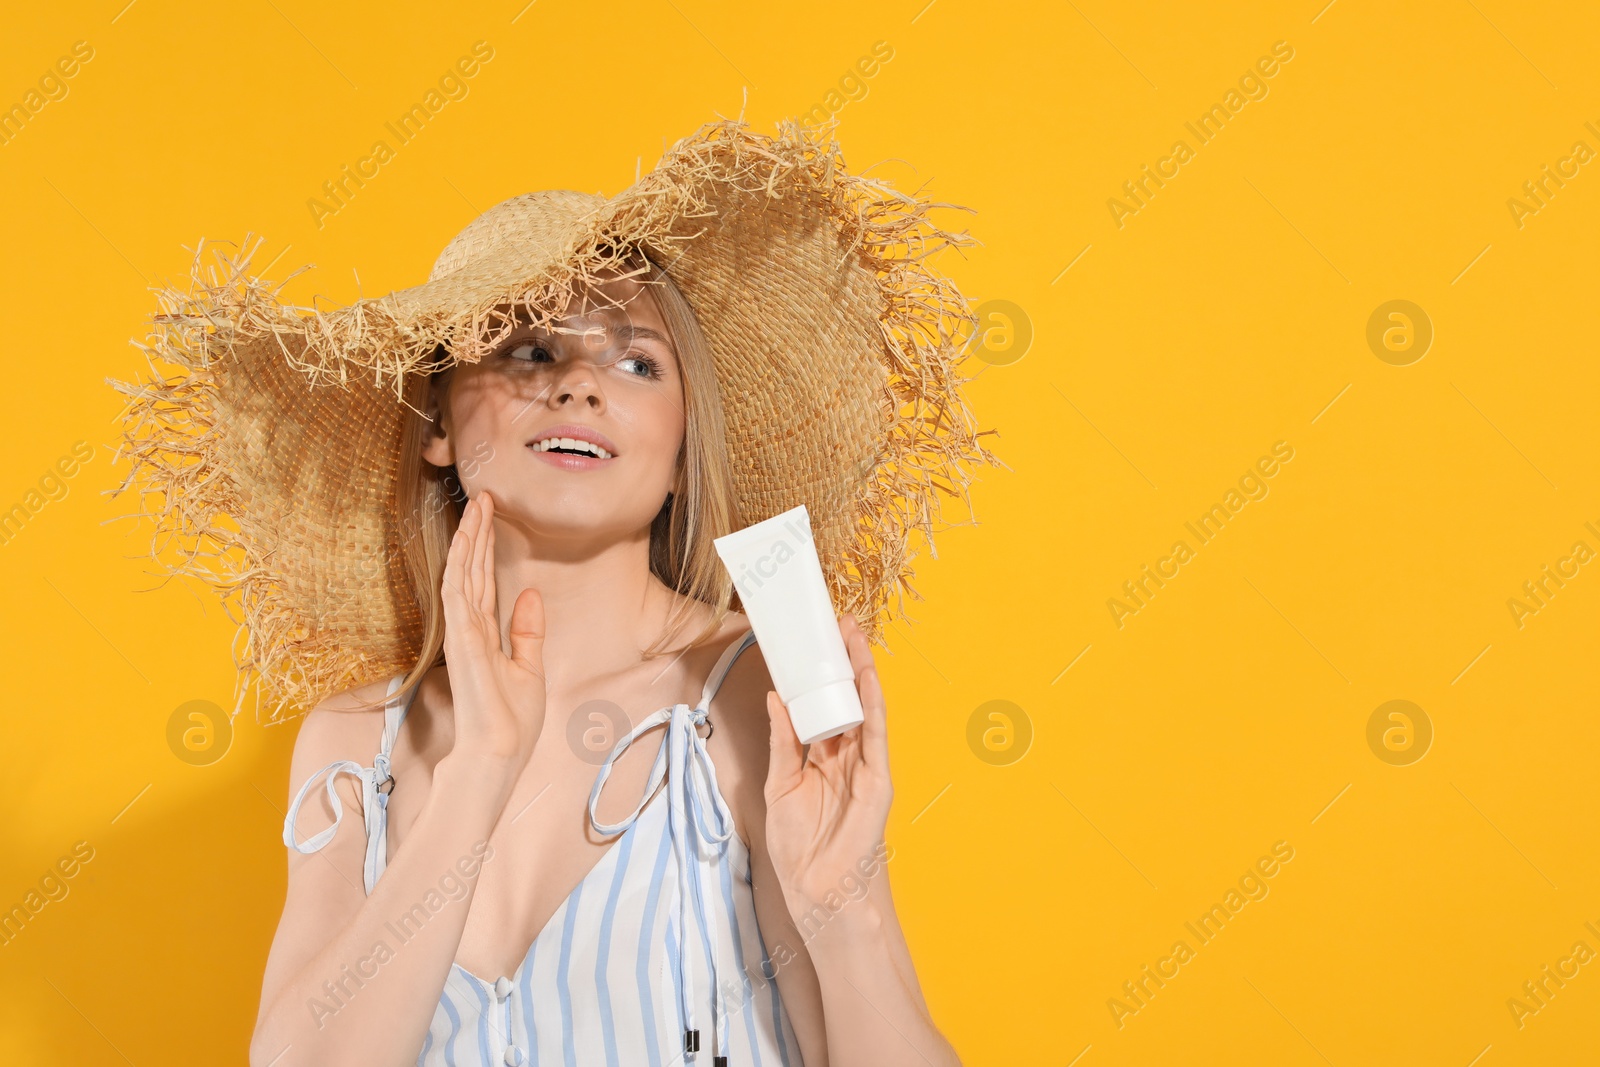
[(480, 511)]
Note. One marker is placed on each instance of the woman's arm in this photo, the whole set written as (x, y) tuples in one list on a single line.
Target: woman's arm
[(838, 950), (819, 868), (872, 1004), (355, 978)]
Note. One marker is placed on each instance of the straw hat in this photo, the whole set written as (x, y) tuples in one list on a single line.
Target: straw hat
[(266, 442)]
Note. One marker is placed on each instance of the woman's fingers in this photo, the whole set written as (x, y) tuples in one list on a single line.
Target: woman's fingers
[(486, 592), (465, 580), (475, 562), (453, 591), (788, 756), (855, 643), (874, 730), (874, 720), (527, 631), (457, 613)]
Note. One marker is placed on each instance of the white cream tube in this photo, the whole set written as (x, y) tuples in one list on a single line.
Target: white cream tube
[(774, 567)]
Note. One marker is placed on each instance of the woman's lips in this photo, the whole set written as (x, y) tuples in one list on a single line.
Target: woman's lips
[(571, 431), (571, 461)]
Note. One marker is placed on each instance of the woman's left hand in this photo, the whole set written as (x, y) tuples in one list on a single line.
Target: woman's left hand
[(827, 807)]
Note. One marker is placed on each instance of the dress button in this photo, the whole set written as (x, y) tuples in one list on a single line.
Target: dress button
[(502, 989), (513, 1056)]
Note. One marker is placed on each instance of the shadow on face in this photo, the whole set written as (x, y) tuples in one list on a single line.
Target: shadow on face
[(577, 428)]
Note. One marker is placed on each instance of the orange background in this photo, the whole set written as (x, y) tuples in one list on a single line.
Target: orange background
[(1228, 313)]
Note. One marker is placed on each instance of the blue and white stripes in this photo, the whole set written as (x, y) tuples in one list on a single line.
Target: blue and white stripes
[(659, 937), (602, 979)]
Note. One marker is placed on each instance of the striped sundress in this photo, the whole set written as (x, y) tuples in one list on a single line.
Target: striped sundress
[(655, 958)]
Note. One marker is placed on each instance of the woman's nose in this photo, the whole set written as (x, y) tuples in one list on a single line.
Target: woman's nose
[(577, 382)]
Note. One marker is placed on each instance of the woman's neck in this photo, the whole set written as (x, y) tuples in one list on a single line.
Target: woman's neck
[(602, 604)]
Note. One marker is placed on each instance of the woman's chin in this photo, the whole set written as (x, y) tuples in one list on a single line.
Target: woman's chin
[(570, 523)]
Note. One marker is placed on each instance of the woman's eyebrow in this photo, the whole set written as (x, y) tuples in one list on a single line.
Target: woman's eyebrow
[(630, 332), (627, 331)]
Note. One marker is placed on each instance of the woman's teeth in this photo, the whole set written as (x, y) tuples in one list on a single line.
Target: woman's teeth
[(569, 444)]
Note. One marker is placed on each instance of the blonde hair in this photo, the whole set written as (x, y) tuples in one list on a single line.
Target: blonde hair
[(429, 499)]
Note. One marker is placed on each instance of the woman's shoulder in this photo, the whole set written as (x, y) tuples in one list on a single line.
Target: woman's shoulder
[(345, 726), (741, 699), (742, 731), (730, 630)]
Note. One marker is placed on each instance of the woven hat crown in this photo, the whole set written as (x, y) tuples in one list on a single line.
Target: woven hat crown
[(516, 230)]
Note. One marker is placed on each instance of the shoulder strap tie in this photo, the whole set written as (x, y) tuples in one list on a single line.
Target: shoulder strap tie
[(376, 785), (699, 822)]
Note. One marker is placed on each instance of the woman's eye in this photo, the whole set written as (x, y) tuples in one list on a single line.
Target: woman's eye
[(643, 366), (530, 353)]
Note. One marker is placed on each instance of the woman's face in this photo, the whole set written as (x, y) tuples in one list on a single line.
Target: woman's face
[(608, 379)]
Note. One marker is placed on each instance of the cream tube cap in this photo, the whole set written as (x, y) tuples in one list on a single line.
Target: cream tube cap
[(826, 711)]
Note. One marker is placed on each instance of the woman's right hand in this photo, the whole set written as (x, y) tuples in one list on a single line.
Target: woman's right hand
[(499, 700)]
